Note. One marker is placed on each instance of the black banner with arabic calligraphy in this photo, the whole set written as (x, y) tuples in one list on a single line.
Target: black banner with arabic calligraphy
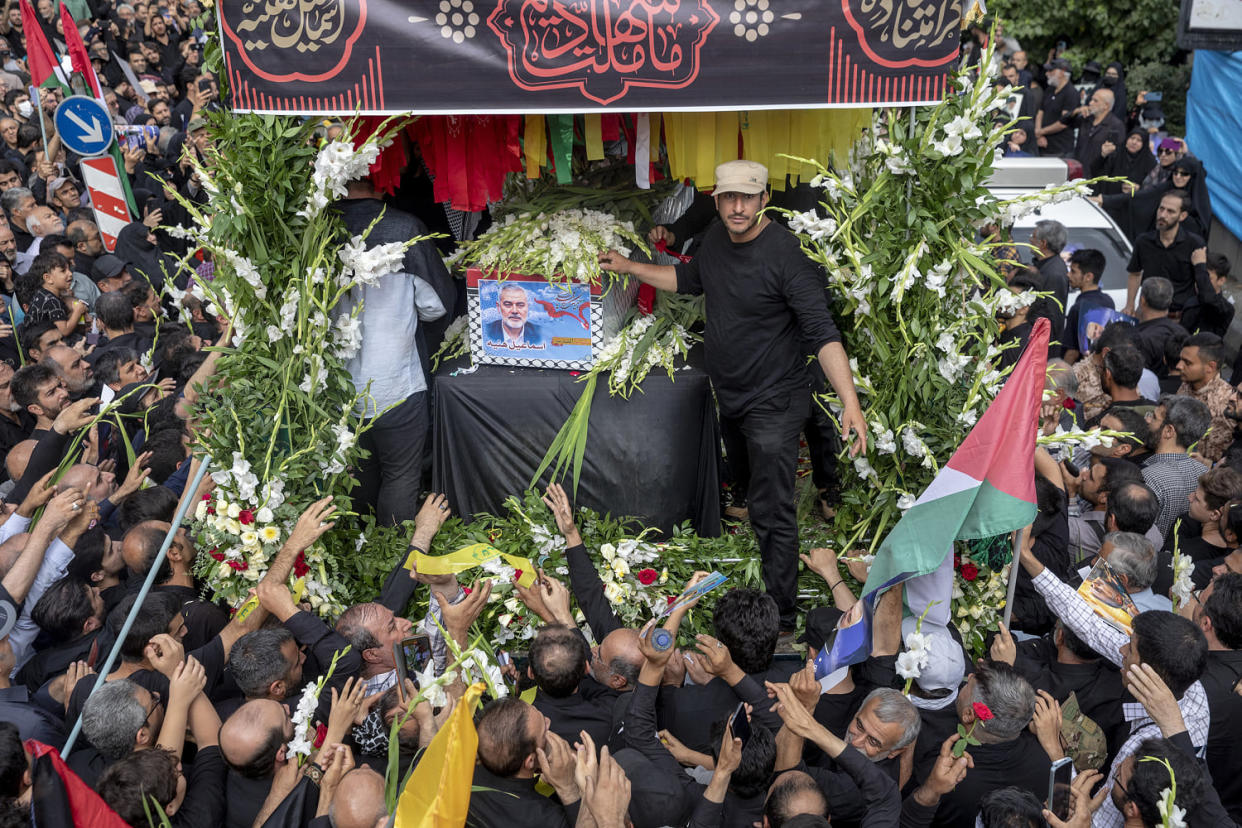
[(513, 56)]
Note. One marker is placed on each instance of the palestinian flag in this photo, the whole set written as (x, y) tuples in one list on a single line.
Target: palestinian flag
[(44, 69), (986, 489)]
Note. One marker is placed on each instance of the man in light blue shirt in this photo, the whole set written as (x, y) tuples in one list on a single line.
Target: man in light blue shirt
[(387, 368)]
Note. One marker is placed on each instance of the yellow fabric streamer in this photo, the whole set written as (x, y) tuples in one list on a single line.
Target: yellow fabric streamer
[(437, 794), (594, 137), (535, 145), (697, 142), (770, 134), (468, 557)]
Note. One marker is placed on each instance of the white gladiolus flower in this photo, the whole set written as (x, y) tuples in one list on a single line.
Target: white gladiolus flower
[(908, 666), (905, 502), (911, 442), (264, 515)]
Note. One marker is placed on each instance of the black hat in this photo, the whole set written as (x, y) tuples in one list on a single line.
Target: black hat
[(1058, 63), (107, 266)]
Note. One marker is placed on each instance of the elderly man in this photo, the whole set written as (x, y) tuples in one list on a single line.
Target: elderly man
[(1096, 125), (765, 305), (19, 202), (512, 330), (1134, 559)]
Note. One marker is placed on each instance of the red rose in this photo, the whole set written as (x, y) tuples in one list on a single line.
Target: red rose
[(970, 571), (211, 510), (207, 496), (517, 575), (321, 730), (647, 577), (217, 554), (467, 590), (1069, 404), (246, 517), (299, 565), (239, 566), (982, 712)]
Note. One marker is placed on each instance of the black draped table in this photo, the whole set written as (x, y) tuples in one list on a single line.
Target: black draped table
[(654, 456)]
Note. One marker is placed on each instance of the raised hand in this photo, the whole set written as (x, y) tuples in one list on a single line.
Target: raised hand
[(558, 502), (1046, 724), (1082, 805), (557, 765), (187, 681), (75, 416), (1157, 699), (607, 794), (164, 654), (806, 688), (1003, 647), (312, 524), (434, 512), (458, 617)]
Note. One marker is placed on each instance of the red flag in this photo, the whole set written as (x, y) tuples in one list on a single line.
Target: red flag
[(39, 57), (77, 50)]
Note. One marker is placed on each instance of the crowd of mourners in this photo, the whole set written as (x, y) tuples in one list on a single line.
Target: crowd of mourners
[(194, 721)]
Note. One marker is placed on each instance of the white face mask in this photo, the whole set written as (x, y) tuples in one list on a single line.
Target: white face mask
[(25, 109)]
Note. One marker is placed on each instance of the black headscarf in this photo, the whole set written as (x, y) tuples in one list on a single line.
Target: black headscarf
[(1199, 220), (143, 257), (1118, 89), (1133, 165)]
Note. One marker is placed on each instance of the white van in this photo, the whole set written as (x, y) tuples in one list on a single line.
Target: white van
[(1086, 225)]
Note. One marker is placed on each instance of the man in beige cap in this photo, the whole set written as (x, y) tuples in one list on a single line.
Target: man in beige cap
[(765, 303)]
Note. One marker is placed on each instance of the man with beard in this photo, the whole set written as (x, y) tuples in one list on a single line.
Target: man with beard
[(765, 305), (87, 245), (70, 366), (1173, 252), (15, 424), (1096, 125)]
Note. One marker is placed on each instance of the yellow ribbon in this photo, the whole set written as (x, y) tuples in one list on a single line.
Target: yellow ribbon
[(468, 557), (438, 792)]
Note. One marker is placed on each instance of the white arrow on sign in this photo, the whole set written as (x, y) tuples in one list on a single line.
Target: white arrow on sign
[(93, 132)]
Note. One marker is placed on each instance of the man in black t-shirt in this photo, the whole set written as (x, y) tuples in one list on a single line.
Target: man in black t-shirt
[(765, 302), (1053, 135), (1173, 252)]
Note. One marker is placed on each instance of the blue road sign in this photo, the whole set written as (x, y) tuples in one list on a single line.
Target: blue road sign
[(84, 125)]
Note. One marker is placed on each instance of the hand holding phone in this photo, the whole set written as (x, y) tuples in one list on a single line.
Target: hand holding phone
[(1060, 776), (740, 724)]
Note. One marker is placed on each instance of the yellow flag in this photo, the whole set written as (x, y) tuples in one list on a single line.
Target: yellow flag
[(468, 557), (437, 794)]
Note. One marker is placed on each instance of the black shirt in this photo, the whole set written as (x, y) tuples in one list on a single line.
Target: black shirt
[(499, 802), (1224, 668), (1152, 258), (1150, 337), (1057, 106), (1020, 762), (765, 303), (572, 714), (46, 306)]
